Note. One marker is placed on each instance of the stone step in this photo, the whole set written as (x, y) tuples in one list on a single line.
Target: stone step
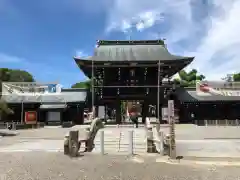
[(121, 146), (117, 140), (120, 141), (119, 150)]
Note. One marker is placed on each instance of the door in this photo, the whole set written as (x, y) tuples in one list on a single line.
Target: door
[(54, 116)]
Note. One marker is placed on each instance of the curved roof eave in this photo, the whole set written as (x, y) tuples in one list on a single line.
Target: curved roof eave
[(88, 58), (188, 60), (128, 53)]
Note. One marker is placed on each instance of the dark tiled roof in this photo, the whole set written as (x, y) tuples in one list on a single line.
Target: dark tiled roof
[(191, 96), (133, 53)]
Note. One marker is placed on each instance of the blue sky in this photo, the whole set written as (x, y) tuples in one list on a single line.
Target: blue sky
[(43, 36)]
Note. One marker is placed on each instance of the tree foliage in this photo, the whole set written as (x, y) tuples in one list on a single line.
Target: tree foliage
[(4, 108), (188, 79), (12, 75), (15, 75), (236, 77), (84, 84)]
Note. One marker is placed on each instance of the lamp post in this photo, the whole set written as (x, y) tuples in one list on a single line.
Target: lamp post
[(92, 84), (172, 129), (158, 95), (22, 113)]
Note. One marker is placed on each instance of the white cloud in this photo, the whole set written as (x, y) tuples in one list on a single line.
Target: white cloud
[(140, 21), (80, 53), (214, 40), (218, 54), (4, 58), (142, 14)]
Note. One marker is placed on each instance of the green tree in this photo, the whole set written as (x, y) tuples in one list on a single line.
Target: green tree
[(84, 84), (188, 79), (20, 76), (4, 108), (12, 75), (236, 77), (15, 75)]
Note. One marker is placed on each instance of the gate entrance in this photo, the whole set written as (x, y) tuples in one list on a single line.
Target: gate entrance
[(131, 71)]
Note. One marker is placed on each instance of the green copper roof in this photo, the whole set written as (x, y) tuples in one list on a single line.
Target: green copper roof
[(133, 53), (152, 50)]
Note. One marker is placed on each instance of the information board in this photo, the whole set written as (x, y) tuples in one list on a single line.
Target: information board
[(31, 117)]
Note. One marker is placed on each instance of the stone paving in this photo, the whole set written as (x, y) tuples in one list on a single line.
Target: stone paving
[(191, 140), (208, 148), (116, 140), (56, 166)]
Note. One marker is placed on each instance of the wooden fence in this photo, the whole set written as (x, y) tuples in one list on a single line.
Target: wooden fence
[(226, 122)]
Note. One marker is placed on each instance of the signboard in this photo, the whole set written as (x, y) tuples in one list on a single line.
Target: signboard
[(171, 108), (30, 88), (31, 117), (101, 112), (211, 88), (31, 91), (165, 113)]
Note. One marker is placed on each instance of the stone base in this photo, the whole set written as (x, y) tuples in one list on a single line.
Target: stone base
[(151, 148)]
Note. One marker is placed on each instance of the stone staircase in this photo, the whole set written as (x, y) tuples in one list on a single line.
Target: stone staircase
[(117, 140)]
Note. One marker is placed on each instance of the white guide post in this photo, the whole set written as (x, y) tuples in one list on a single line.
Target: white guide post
[(130, 149), (102, 142)]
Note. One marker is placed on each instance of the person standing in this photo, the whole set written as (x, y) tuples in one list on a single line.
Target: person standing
[(134, 116)]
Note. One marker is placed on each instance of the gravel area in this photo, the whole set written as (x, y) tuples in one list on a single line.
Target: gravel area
[(56, 166)]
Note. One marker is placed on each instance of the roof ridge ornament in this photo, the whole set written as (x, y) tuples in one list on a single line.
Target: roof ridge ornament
[(130, 42)]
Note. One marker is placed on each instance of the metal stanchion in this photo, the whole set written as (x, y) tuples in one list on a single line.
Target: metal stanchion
[(237, 123), (161, 144), (14, 126), (158, 127), (206, 122), (102, 142), (130, 148)]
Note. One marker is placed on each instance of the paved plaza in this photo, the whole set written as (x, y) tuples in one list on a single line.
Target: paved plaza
[(56, 166), (191, 140)]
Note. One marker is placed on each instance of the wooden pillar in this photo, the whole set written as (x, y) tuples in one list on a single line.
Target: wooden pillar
[(81, 116), (96, 111), (118, 111), (144, 111), (160, 111), (105, 113)]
